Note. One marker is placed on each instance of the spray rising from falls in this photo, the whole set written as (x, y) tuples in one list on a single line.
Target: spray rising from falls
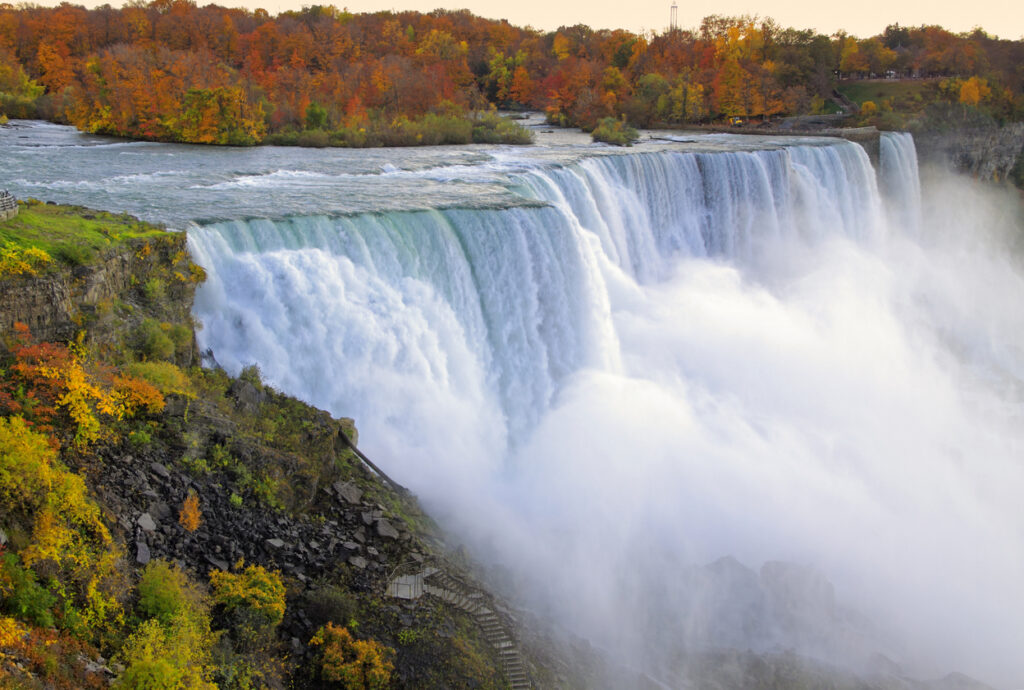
[(676, 357)]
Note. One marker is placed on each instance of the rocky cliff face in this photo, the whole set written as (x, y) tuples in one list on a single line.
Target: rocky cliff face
[(987, 153), (154, 272)]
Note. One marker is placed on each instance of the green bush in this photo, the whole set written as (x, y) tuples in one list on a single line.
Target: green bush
[(165, 376), (22, 596), (491, 128), (314, 139), (74, 255), (155, 289), (164, 592), (612, 131), (140, 438), (154, 342), (330, 603)]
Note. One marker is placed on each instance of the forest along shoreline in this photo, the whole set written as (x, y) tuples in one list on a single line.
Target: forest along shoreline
[(322, 76)]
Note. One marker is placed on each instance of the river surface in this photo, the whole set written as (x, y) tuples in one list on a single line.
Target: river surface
[(604, 369)]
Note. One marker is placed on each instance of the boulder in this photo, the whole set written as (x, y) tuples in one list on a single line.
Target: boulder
[(348, 491), (386, 530), (146, 522)]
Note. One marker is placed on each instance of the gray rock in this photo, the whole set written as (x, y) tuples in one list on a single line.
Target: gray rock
[(142, 554), (159, 470), (384, 529), (275, 543), (217, 563), (367, 519), (247, 396), (351, 546), (357, 562), (348, 491), (146, 522)]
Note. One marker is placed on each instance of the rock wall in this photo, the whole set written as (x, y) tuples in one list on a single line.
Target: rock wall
[(985, 153), (57, 303)]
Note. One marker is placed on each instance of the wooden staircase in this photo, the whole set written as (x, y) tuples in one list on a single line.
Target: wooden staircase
[(454, 591)]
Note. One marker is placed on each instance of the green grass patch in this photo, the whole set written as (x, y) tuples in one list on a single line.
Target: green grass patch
[(904, 94), (71, 234)]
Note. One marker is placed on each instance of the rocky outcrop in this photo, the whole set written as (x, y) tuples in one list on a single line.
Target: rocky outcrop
[(57, 303), (986, 153)]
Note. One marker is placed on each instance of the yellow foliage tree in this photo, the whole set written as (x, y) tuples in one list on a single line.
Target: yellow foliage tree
[(255, 591), (352, 664), (974, 91)]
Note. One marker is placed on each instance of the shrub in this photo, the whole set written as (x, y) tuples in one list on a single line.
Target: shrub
[(172, 656), (139, 438), (165, 591), (329, 603), (314, 139), (155, 289), (68, 537), (16, 261), (168, 378), (154, 342), (612, 131), (256, 593), (74, 255), (491, 128), (353, 664), (190, 516), (22, 596)]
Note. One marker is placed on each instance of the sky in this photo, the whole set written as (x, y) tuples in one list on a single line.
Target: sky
[(864, 18), (1004, 18)]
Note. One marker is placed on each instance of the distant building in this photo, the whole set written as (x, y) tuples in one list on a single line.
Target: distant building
[(673, 17)]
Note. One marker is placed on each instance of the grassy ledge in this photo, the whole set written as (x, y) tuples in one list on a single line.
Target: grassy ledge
[(70, 235)]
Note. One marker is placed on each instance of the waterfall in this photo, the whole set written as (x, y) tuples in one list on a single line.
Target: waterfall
[(666, 357), (500, 305), (900, 180)]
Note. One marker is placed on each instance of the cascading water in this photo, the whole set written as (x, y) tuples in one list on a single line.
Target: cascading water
[(678, 357), (607, 371)]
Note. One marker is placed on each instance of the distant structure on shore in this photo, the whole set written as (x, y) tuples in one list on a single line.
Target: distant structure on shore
[(8, 205), (673, 17)]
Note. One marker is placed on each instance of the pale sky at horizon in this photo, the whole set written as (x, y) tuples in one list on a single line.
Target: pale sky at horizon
[(1003, 18)]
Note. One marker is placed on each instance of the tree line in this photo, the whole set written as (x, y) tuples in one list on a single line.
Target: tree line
[(169, 70)]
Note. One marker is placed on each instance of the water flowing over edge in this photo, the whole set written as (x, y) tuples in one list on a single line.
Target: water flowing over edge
[(460, 338)]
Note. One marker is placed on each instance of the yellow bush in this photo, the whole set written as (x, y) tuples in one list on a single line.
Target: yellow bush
[(169, 657), (11, 632), (68, 532), (254, 591), (353, 664), (17, 261)]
